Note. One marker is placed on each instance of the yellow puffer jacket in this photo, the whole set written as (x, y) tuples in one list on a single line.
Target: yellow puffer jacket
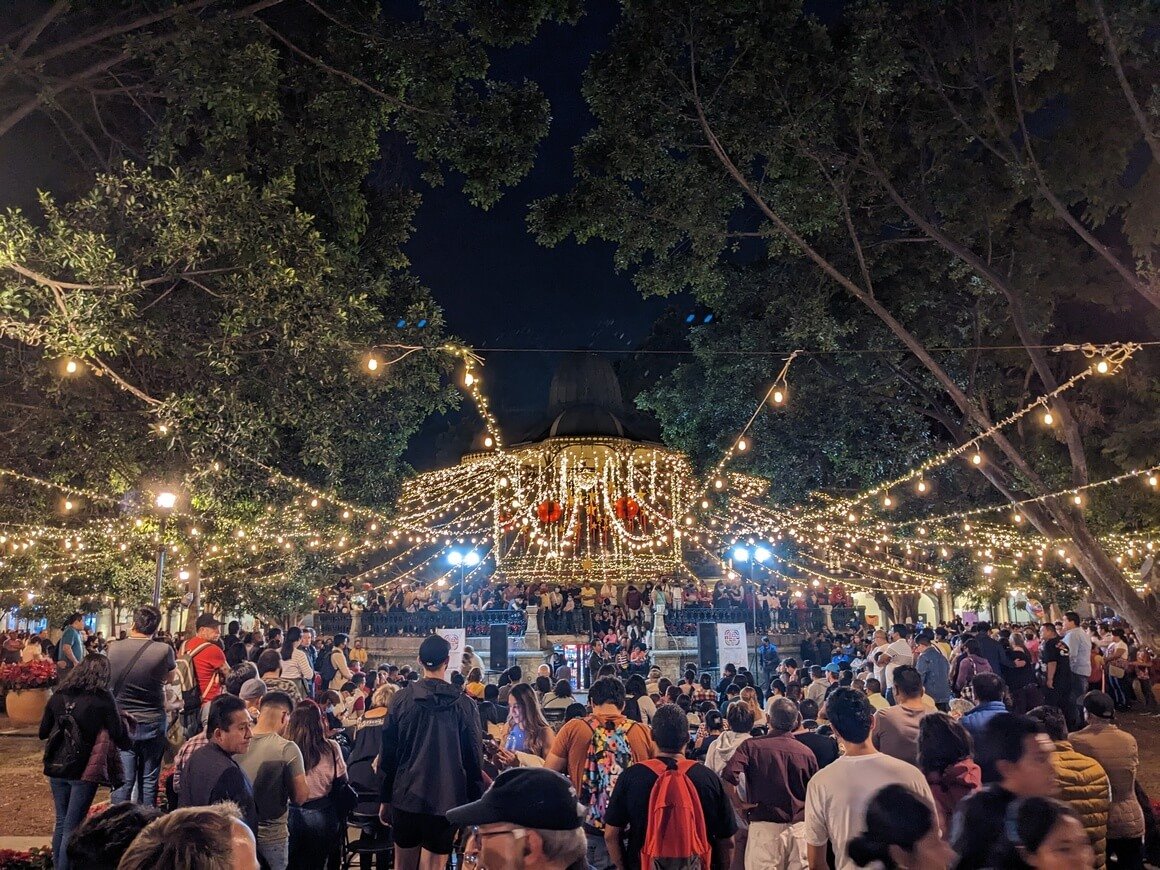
[(1084, 785)]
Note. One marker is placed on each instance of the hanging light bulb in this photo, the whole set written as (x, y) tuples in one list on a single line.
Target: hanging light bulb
[(372, 364), (468, 379), (1018, 518), (921, 487), (977, 459), (778, 397), (71, 367), (488, 442), (1102, 367), (887, 501), (742, 445), (1048, 418)]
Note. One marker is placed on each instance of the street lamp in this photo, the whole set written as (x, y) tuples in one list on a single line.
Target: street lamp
[(462, 561), (164, 502)]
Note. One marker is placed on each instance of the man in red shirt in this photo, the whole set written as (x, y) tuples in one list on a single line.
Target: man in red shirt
[(209, 662)]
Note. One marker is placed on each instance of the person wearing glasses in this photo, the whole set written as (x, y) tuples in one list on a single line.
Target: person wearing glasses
[(530, 819)]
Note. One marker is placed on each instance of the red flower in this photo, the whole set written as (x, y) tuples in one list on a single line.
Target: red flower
[(29, 675)]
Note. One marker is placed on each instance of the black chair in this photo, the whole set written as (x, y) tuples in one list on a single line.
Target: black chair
[(554, 716), (374, 846)]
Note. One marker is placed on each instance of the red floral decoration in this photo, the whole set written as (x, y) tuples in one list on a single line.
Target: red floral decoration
[(29, 675), (36, 859)]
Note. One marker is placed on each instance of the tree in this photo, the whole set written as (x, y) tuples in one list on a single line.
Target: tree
[(726, 130), (201, 289)]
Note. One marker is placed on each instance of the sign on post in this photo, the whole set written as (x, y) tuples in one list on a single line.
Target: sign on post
[(457, 637)]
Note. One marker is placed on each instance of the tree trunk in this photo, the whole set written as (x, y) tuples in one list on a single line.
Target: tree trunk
[(887, 607)]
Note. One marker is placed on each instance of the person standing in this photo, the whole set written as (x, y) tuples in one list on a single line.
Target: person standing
[(275, 768), (1015, 757), (837, 796), (295, 663), (627, 821), (895, 654), (989, 691), (82, 702), (944, 757), (594, 751), (896, 728), (338, 662), (71, 647), (430, 761), (209, 662), (1055, 662), (1080, 780), (777, 769), (1118, 754), (1079, 647), (769, 658), (529, 819), (934, 668), (315, 825), (211, 775), (140, 669)]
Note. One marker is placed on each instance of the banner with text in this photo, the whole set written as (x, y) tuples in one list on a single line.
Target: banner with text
[(457, 637), (732, 645)]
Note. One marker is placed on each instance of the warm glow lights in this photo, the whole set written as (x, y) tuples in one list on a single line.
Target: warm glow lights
[(165, 500)]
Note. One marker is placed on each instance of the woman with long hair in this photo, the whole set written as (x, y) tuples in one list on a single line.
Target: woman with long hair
[(749, 698), (295, 665), (474, 686), (83, 695), (901, 831), (527, 730), (314, 826), (944, 757)]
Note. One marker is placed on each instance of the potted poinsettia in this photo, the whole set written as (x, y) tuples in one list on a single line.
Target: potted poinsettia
[(29, 685), (35, 859)]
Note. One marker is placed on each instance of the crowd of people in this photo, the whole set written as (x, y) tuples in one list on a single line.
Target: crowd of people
[(585, 608), (891, 749)]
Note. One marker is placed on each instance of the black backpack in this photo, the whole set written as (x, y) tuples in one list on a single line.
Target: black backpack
[(326, 666), (66, 747)]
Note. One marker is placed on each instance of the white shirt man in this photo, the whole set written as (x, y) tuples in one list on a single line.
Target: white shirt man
[(837, 796), (897, 652)]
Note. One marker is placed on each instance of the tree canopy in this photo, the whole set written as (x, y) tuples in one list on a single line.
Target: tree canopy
[(973, 180)]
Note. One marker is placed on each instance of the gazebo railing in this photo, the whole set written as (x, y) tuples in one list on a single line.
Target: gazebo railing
[(478, 623)]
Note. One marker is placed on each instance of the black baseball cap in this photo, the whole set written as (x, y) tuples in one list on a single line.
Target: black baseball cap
[(531, 797), (434, 651), (208, 620)]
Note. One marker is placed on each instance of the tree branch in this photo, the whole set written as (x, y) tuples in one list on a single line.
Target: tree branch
[(1125, 86)]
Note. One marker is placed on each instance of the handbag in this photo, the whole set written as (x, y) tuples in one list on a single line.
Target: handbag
[(342, 796)]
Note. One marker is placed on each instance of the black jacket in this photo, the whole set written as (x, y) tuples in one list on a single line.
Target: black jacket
[(978, 825), (94, 712), (432, 749), (993, 652)]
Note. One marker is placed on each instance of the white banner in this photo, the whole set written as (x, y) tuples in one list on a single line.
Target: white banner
[(732, 644), (457, 637)]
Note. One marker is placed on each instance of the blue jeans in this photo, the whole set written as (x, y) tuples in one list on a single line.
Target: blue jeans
[(275, 854), (598, 852), (142, 765), (71, 798), (313, 837)]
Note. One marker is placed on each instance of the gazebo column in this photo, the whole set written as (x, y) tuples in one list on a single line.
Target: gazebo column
[(660, 633)]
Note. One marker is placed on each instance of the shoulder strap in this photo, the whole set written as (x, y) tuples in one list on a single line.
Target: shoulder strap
[(125, 673)]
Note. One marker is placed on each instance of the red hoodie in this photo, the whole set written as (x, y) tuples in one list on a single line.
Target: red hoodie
[(951, 786)]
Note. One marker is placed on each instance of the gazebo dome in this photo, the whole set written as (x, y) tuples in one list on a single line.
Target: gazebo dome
[(587, 380)]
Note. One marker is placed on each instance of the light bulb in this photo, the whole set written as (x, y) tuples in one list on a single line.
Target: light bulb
[(1017, 518), (718, 483), (1153, 480), (922, 486), (742, 445), (468, 379), (778, 397), (1102, 367), (71, 366), (68, 505), (887, 501), (1078, 499), (1048, 419), (373, 364), (488, 441), (977, 459)]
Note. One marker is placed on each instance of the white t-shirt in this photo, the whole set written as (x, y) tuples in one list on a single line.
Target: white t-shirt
[(900, 654), (837, 796)]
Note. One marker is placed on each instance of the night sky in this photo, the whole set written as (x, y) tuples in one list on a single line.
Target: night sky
[(497, 286)]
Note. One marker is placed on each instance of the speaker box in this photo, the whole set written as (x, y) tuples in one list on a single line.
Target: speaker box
[(499, 647), (707, 644)]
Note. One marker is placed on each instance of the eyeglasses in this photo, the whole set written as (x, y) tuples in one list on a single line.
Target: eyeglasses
[(473, 833)]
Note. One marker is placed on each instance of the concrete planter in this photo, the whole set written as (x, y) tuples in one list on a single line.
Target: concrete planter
[(26, 706)]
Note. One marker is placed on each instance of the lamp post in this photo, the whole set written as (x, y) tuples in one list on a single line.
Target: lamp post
[(164, 503), (463, 561)]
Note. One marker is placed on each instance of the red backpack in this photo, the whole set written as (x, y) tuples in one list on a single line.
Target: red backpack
[(676, 838)]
